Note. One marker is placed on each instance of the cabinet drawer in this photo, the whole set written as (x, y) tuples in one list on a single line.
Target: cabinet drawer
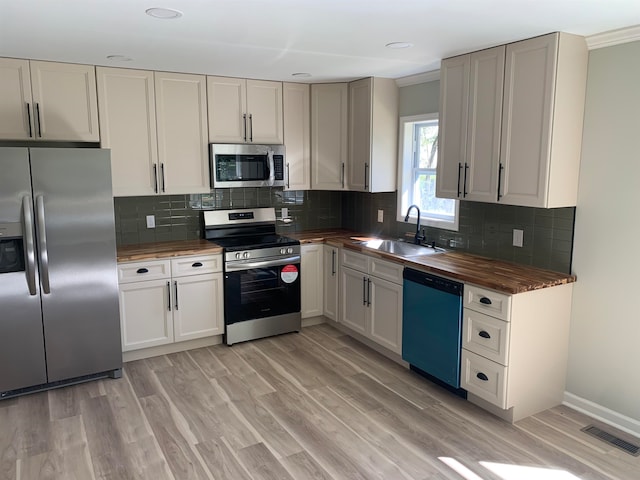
[(386, 270), (356, 261), (141, 271), (183, 266), (487, 302), (486, 336), (484, 378)]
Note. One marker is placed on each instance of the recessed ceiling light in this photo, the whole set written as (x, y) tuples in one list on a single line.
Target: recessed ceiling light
[(119, 58), (301, 74), (163, 13), (398, 45)]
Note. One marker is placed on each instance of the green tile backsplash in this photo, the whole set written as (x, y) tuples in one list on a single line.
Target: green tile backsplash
[(485, 229)]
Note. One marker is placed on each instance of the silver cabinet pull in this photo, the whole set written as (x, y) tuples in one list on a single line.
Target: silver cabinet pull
[(42, 244), (155, 178), (459, 175), (169, 296), (244, 120), (29, 119), (364, 290), (342, 175), (464, 183), (29, 245), (500, 169), (162, 174), (251, 127), (333, 263), (366, 177), (368, 292), (175, 287)]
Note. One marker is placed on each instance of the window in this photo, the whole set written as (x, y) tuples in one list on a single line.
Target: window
[(417, 174)]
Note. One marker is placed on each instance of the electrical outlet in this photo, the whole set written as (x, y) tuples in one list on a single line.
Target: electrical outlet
[(151, 221), (518, 237), (285, 212), (380, 216)]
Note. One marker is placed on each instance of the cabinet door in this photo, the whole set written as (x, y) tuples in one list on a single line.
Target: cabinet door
[(227, 106), (485, 119), (454, 114), (386, 314), (331, 284), (297, 130), (264, 111), (360, 123), (16, 114), (527, 120), (311, 286), (353, 304), (181, 110), (198, 306), (329, 114), (145, 314), (65, 100), (128, 127)]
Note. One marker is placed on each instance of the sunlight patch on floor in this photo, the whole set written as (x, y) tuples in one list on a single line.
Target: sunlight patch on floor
[(519, 472)]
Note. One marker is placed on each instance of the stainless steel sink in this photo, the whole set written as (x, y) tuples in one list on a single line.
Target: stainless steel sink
[(402, 249)]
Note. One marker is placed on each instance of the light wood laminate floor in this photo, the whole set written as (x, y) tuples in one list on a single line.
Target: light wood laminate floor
[(314, 405)]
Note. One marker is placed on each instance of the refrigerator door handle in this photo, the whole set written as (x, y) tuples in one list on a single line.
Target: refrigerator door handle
[(42, 245), (29, 245)]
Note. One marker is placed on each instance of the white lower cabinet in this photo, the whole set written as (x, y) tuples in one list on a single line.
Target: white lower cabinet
[(311, 280), (514, 349), (331, 285), (166, 301), (371, 302)]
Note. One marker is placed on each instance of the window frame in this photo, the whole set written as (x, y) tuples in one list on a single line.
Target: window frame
[(405, 176)]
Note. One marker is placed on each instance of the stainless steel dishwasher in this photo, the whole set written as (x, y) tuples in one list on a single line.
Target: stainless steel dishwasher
[(431, 326)]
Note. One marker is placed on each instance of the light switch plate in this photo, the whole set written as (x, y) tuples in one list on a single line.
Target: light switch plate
[(151, 221), (518, 237), (380, 216)]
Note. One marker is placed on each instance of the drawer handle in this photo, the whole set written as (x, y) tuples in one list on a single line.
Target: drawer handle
[(142, 270), (485, 301), (482, 377), (484, 334), (196, 264)]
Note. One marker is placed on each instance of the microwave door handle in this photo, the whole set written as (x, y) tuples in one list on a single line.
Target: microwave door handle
[(272, 175)]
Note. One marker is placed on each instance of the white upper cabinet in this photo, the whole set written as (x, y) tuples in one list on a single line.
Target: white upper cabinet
[(329, 130), (543, 108), (128, 127), (244, 111), (373, 135), (156, 127), (470, 118), (297, 135), (181, 118), (48, 101)]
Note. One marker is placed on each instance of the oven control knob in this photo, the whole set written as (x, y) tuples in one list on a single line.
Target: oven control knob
[(289, 250), (283, 251), (238, 256), (245, 255)]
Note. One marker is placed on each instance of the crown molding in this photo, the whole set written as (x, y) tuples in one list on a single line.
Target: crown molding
[(613, 37), (418, 78)]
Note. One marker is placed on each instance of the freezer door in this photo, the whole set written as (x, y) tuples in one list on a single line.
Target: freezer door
[(77, 255), (22, 361)]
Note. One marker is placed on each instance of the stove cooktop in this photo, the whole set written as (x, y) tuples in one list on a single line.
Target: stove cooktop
[(232, 244)]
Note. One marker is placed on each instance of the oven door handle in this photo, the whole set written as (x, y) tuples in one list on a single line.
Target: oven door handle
[(239, 266)]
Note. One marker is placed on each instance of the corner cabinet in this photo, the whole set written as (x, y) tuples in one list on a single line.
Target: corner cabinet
[(515, 349), (371, 300), (329, 133), (297, 135), (167, 301), (244, 111), (155, 124), (48, 101), (373, 135), (511, 123), (311, 266)]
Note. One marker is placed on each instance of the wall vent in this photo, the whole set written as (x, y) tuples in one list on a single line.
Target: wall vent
[(617, 442)]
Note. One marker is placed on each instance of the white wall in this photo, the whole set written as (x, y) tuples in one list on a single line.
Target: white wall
[(604, 356)]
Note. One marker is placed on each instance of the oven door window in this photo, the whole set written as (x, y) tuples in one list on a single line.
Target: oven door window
[(241, 168), (261, 292)]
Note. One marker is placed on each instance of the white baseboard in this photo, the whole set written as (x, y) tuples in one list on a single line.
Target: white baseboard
[(604, 414)]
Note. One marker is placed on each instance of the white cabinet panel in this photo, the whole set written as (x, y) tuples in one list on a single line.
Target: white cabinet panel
[(386, 314), (312, 280), (484, 378), (264, 108), (16, 114), (198, 306), (353, 303), (297, 135), (331, 283)]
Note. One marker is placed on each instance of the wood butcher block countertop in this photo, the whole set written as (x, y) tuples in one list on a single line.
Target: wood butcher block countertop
[(505, 277), (158, 250)]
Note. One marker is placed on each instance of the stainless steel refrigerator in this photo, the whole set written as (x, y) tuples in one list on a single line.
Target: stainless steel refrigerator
[(59, 318)]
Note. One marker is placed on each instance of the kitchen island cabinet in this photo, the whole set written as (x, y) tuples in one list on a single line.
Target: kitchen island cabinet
[(244, 111), (48, 101)]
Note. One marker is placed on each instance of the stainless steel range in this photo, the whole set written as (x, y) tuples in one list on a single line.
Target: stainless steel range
[(261, 273)]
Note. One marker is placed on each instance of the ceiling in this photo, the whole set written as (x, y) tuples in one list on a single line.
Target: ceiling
[(333, 40)]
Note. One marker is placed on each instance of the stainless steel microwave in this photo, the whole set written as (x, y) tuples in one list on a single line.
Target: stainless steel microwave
[(246, 165)]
